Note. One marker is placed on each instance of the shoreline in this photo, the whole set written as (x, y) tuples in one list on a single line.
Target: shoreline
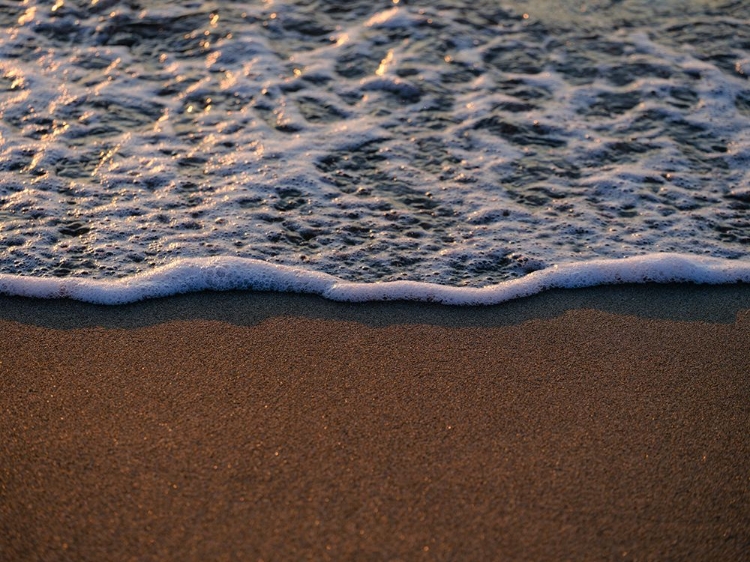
[(227, 273), (608, 422)]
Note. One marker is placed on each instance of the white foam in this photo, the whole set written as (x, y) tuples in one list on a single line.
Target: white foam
[(229, 273), (440, 144)]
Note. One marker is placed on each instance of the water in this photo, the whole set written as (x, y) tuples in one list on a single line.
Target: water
[(172, 146)]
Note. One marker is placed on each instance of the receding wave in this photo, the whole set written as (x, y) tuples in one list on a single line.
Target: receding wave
[(231, 273), (462, 143)]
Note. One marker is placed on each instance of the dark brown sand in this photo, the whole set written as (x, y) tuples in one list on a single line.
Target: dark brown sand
[(583, 425)]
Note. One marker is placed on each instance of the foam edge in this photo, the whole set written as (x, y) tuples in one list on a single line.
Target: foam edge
[(232, 273)]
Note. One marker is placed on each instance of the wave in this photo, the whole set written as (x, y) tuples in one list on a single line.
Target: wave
[(231, 273)]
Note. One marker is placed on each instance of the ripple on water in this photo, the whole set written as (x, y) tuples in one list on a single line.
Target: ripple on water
[(461, 142)]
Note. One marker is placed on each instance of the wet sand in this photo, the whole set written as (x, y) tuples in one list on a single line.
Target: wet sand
[(608, 423)]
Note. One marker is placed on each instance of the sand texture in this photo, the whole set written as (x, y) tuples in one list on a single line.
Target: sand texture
[(589, 425)]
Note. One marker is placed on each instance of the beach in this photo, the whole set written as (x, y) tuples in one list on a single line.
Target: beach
[(311, 280), (606, 423)]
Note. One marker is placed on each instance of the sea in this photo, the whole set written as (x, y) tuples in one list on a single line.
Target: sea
[(457, 151)]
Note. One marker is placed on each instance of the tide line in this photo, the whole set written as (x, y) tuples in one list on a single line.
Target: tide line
[(232, 273)]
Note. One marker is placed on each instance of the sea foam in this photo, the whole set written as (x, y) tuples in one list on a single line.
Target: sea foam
[(231, 273), (463, 143)]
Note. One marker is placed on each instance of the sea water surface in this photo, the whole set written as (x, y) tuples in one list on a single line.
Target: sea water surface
[(458, 151)]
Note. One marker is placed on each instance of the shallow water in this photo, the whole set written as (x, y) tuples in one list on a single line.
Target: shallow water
[(460, 143)]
